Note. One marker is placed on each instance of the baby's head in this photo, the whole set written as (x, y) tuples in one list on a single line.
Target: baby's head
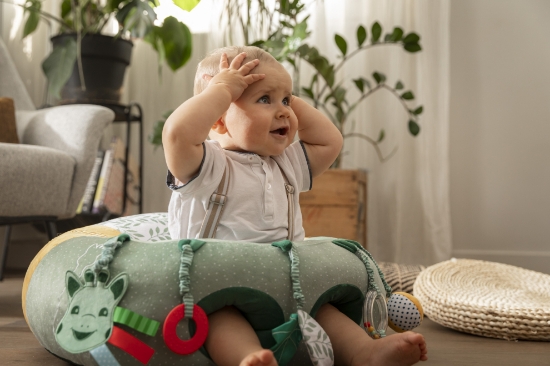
[(210, 65), (260, 120)]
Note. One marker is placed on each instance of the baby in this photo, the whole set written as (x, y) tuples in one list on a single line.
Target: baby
[(243, 101)]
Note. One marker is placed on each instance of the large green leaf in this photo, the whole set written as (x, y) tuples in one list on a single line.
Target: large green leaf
[(308, 92), (411, 38), (379, 77), (418, 110), (414, 128), (186, 4), (58, 66), (359, 84), (412, 47), (137, 17), (65, 8), (288, 337), (300, 30), (396, 35), (381, 136), (408, 95), (177, 41), (341, 43), (361, 35), (32, 7), (376, 32), (113, 4)]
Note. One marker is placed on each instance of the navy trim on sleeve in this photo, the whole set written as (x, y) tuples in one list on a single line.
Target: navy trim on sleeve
[(170, 178), (308, 166)]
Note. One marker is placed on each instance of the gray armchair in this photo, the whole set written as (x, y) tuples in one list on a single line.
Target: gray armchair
[(43, 178)]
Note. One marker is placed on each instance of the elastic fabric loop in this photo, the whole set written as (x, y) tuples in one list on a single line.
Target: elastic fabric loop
[(185, 280), (387, 287), (287, 247), (295, 276), (365, 259), (187, 247), (108, 252)]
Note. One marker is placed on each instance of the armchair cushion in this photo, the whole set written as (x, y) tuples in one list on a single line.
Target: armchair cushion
[(8, 131), (74, 130), (24, 167)]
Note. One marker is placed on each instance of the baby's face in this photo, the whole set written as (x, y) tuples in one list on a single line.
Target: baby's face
[(261, 120)]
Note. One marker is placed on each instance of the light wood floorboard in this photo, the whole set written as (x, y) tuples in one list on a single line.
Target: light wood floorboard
[(446, 347)]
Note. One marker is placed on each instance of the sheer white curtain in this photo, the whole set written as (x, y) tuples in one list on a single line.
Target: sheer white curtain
[(408, 196)]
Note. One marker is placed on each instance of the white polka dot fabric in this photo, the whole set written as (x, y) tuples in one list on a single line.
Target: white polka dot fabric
[(403, 313)]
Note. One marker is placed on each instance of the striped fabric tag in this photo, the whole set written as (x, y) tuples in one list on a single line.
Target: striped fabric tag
[(135, 321)]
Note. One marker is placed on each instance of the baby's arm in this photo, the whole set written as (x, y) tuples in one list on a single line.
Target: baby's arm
[(321, 138), (187, 128)]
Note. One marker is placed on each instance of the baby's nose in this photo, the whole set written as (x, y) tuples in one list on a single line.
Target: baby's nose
[(283, 112)]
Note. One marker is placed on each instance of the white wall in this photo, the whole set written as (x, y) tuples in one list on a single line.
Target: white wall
[(500, 131)]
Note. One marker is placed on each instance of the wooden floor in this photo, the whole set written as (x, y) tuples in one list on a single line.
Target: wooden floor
[(445, 347)]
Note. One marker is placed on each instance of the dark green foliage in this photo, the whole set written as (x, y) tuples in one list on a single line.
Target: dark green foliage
[(414, 128), (376, 32), (172, 41)]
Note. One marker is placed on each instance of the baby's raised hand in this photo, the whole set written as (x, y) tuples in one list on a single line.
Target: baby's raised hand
[(235, 77)]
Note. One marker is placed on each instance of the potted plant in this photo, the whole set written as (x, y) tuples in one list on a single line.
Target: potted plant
[(86, 65)]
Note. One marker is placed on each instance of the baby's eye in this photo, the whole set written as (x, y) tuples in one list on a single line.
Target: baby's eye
[(264, 99), (286, 101)]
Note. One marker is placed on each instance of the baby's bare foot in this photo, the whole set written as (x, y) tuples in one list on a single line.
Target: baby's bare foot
[(402, 349), (261, 358)]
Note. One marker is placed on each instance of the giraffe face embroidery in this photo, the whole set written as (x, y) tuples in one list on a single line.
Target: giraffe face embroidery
[(88, 321)]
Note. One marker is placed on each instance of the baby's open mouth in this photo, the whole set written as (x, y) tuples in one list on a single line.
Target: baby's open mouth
[(280, 131)]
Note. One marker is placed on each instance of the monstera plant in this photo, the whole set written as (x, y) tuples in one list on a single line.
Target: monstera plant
[(82, 18)]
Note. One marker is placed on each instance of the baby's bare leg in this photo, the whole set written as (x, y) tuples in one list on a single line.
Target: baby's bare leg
[(353, 347), (231, 341)]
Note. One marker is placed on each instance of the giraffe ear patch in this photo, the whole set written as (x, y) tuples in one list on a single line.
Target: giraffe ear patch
[(73, 283)]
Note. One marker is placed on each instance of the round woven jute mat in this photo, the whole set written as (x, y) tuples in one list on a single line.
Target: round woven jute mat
[(487, 299)]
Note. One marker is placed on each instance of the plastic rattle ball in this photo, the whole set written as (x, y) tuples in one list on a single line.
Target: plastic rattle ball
[(404, 312)]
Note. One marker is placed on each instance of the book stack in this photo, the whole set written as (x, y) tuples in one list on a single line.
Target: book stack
[(105, 188)]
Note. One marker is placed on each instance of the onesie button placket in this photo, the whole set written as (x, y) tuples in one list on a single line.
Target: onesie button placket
[(268, 196)]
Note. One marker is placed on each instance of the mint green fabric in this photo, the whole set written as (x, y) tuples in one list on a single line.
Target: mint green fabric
[(328, 273)]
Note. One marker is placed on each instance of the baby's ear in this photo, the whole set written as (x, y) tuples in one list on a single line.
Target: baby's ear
[(219, 126)]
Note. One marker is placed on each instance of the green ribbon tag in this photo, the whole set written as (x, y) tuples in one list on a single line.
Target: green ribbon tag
[(136, 321)]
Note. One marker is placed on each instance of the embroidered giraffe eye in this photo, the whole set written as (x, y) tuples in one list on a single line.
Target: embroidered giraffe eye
[(103, 312), (75, 310)]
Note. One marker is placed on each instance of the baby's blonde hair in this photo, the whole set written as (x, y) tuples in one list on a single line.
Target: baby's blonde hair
[(210, 65)]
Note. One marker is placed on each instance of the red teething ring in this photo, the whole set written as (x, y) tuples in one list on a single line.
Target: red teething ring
[(169, 330)]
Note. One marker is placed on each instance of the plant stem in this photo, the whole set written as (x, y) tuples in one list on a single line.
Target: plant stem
[(373, 143), (79, 46), (345, 58), (392, 90)]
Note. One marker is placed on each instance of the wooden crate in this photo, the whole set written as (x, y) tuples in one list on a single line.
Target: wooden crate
[(336, 206)]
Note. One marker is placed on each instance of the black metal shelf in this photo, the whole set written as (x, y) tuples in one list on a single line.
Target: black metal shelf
[(129, 113)]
